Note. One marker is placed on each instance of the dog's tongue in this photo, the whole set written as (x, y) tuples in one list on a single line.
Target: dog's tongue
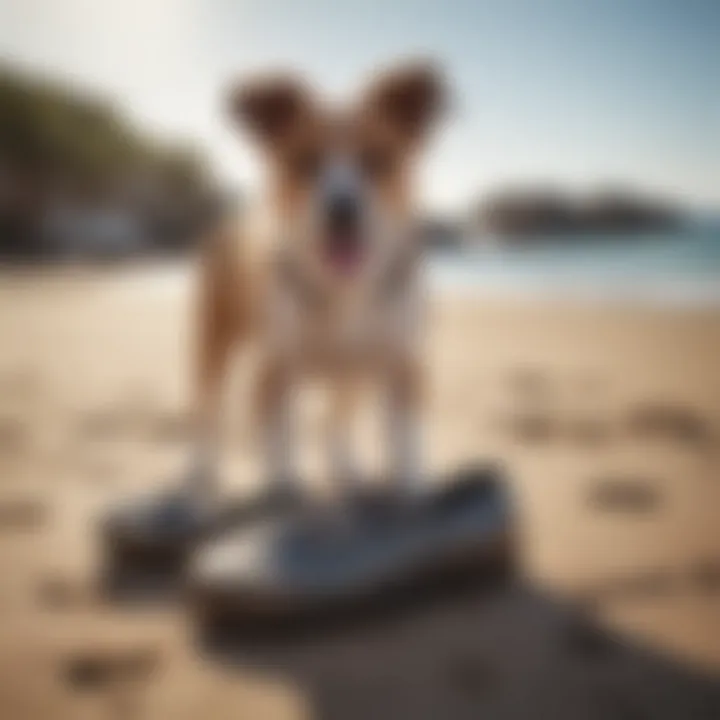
[(344, 253)]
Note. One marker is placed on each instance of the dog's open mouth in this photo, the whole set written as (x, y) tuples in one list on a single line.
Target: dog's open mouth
[(344, 251)]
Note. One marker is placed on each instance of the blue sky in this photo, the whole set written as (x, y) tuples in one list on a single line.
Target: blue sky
[(576, 92)]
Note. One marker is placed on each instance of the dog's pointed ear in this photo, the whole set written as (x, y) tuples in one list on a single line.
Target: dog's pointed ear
[(411, 97), (269, 105)]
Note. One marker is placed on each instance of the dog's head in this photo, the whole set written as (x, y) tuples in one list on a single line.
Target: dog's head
[(342, 178)]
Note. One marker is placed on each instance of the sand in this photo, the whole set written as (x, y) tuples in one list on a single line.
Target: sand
[(607, 418)]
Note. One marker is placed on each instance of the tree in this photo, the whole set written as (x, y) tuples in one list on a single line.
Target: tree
[(56, 140)]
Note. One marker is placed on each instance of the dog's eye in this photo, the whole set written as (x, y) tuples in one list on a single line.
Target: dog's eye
[(376, 162), (305, 164)]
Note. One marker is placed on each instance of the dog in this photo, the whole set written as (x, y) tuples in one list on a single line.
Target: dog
[(323, 275)]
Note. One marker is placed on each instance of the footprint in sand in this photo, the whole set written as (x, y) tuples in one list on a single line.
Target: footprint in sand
[(705, 576), (56, 592), (627, 494), (670, 421), (14, 436), (538, 425), (531, 427), (98, 668), (18, 513), (536, 418), (120, 678)]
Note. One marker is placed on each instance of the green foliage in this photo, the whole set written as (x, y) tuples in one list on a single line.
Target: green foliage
[(59, 131)]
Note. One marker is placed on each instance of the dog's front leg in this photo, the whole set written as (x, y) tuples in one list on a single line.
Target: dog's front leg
[(274, 405), (342, 463), (403, 392)]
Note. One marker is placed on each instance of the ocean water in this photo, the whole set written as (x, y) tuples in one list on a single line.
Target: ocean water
[(676, 269)]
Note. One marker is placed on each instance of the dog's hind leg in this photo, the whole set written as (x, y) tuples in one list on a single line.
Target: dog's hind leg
[(220, 323)]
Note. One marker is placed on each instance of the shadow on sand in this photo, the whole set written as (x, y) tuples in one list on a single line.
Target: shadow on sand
[(466, 650)]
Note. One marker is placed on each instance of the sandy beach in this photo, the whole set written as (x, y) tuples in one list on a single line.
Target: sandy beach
[(607, 419)]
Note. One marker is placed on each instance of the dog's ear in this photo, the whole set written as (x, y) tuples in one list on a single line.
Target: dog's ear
[(269, 105), (411, 97)]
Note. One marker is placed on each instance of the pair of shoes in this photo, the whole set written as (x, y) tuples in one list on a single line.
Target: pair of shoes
[(305, 563), (274, 554)]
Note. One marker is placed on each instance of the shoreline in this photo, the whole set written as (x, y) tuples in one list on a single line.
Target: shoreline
[(687, 297), (661, 294)]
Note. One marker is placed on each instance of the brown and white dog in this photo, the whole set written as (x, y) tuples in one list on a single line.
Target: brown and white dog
[(324, 273)]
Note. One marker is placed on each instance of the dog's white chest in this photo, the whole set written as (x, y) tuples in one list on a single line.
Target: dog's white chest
[(355, 333)]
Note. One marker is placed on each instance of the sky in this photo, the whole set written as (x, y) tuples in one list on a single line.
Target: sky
[(574, 92)]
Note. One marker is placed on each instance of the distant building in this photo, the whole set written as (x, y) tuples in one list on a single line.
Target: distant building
[(79, 180), (71, 230), (526, 214)]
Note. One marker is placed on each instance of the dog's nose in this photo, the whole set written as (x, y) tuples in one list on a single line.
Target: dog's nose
[(342, 213)]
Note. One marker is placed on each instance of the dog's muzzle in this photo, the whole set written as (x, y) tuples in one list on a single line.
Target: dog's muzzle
[(343, 242)]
